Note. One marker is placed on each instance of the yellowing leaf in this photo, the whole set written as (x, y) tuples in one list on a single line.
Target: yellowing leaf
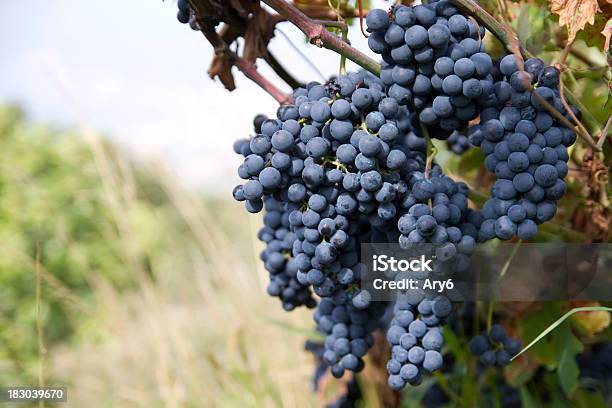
[(593, 321), (574, 14), (607, 32)]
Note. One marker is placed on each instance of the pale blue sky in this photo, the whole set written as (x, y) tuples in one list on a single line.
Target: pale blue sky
[(139, 76)]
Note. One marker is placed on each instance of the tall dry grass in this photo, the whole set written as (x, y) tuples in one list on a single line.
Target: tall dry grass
[(198, 330)]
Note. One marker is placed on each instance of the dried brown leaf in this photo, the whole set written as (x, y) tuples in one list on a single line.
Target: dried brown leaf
[(257, 35), (607, 32), (574, 14), (221, 67)]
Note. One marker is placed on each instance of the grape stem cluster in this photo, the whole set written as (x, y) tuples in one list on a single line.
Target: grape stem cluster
[(319, 36), (247, 68)]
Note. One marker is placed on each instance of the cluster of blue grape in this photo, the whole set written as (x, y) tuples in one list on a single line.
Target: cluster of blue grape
[(526, 148), (458, 143), (597, 363), (343, 166), (495, 348), (436, 211), (348, 331), (331, 170), (350, 397), (278, 259), (415, 337), (434, 62)]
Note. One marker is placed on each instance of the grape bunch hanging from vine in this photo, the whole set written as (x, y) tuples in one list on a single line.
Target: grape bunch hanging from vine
[(354, 159)]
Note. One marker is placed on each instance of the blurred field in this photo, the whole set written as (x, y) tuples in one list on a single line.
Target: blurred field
[(131, 291)]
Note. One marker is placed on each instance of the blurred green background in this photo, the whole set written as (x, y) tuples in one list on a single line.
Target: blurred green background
[(129, 290)]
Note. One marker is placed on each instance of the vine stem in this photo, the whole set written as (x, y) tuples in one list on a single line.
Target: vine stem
[(251, 72), (319, 36), (510, 258), (604, 133), (562, 68), (491, 304), (505, 268), (246, 67), (340, 25), (431, 150), (280, 70)]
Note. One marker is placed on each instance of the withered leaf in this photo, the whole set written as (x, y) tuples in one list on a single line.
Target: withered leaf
[(607, 32), (574, 14), (221, 67)]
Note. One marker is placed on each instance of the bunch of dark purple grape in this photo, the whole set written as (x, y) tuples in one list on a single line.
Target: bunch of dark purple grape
[(331, 172), (495, 348), (526, 149), (434, 62)]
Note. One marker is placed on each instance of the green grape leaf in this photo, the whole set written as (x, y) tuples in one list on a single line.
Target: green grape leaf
[(588, 399), (452, 342), (568, 372), (527, 399), (532, 326), (471, 160)]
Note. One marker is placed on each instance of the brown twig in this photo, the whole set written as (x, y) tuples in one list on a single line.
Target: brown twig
[(360, 5), (580, 126), (604, 133), (564, 54), (251, 72), (247, 68), (281, 71), (319, 36), (583, 131), (559, 41)]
